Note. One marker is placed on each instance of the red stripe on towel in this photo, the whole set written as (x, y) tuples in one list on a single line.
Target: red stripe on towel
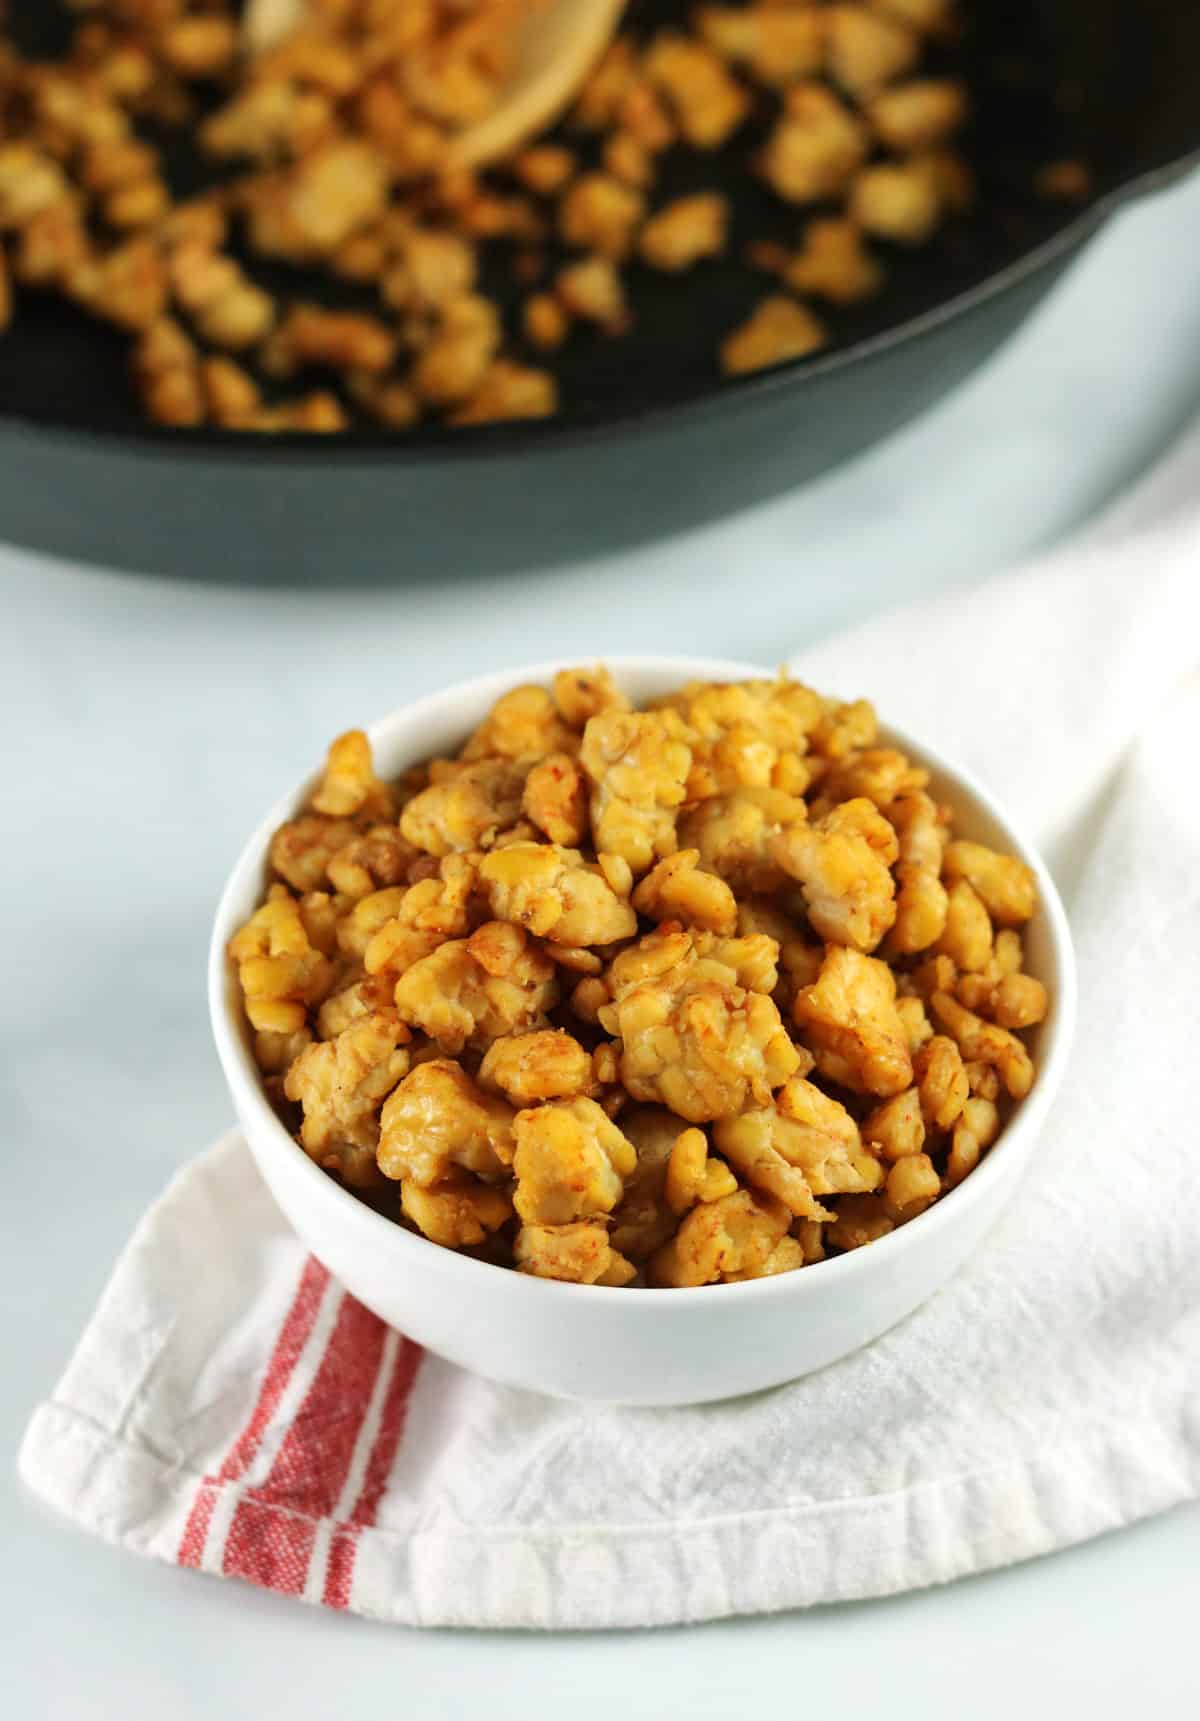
[(293, 1336), (339, 1575), (270, 1538)]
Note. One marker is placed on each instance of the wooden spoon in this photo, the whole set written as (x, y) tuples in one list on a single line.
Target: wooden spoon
[(556, 47)]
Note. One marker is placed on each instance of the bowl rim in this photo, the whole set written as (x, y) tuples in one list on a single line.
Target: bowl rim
[(245, 1084)]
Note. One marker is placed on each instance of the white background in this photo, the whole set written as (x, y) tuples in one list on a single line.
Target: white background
[(147, 726)]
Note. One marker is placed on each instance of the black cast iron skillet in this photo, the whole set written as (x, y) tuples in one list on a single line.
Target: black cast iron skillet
[(651, 439)]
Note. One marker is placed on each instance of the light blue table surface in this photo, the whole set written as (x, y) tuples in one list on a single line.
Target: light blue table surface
[(147, 725)]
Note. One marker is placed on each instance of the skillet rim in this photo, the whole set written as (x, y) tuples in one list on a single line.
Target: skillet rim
[(367, 447)]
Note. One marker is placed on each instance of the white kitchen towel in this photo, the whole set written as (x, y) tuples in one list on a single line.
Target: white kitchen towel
[(232, 1409)]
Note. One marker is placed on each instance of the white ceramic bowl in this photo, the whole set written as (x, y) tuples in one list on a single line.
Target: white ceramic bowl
[(633, 1346)]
